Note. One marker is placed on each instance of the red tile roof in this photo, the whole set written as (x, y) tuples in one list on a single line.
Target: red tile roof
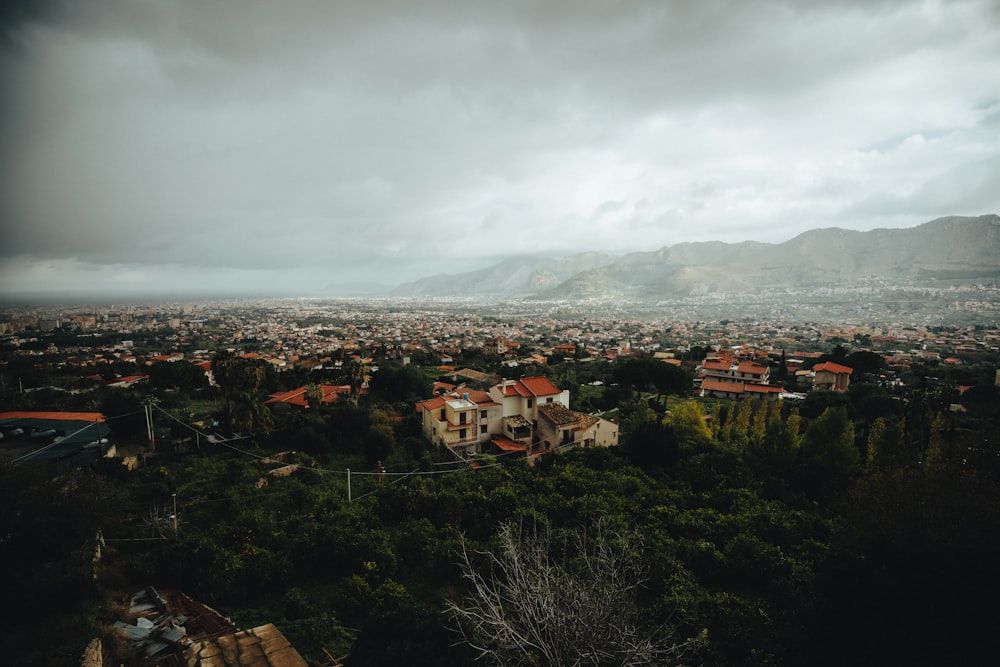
[(128, 379), (539, 386), (431, 403), (298, 396), (62, 416), (716, 365), (718, 385), (480, 398), (831, 367), (763, 388), (508, 445)]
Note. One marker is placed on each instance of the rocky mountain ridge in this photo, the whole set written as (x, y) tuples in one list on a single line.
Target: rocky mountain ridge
[(951, 249)]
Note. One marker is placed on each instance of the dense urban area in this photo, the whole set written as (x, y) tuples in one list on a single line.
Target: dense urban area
[(371, 481)]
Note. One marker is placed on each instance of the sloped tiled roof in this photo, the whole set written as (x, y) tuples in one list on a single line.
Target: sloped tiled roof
[(831, 367), (762, 388), (480, 398), (751, 367), (298, 396), (718, 385), (539, 386), (61, 416), (262, 646), (508, 445), (432, 403), (558, 414)]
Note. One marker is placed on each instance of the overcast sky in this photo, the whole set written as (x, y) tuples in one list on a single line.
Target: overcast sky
[(151, 146)]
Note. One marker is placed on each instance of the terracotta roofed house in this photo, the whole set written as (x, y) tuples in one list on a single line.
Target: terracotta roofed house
[(531, 415), (832, 376)]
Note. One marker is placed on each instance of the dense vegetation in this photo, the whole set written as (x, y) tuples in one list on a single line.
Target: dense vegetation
[(857, 528)]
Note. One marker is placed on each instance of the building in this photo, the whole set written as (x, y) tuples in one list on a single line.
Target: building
[(726, 377), (299, 397), (70, 437), (529, 415), (170, 628), (832, 376)]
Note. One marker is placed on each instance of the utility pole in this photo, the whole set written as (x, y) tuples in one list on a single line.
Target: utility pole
[(348, 485), (175, 515), (150, 431)]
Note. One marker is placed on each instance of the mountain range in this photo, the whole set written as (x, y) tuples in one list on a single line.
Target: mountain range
[(950, 250)]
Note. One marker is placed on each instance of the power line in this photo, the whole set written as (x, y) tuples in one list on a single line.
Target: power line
[(225, 442)]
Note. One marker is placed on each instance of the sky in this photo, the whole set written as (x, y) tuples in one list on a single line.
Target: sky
[(155, 147)]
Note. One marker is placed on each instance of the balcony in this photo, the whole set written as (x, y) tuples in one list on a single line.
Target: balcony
[(456, 427)]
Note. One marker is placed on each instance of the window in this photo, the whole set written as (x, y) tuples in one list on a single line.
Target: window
[(461, 434), (482, 429), (462, 416), (442, 414), (482, 414), (548, 400), (530, 402)]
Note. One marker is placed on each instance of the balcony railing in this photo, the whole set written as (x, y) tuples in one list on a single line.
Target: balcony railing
[(458, 427)]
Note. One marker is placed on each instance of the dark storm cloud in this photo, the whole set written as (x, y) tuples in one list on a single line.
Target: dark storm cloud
[(385, 140)]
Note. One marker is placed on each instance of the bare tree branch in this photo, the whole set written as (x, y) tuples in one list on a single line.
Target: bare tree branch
[(527, 608)]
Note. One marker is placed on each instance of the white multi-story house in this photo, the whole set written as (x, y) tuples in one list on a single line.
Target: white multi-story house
[(727, 378), (529, 415)]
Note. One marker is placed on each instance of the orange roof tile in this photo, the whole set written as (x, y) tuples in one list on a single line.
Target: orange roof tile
[(831, 367), (480, 397), (716, 365), (430, 404), (63, 416), (751, 367), (298, 396), (763, 388), (719, 385), (539, 386), (508, 445)]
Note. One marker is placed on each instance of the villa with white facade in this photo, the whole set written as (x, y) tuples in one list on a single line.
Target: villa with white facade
[(530, 415)]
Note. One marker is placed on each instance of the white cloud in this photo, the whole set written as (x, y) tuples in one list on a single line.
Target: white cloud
[(330, 141)]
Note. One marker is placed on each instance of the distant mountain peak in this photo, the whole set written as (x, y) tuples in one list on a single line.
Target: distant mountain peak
[(950, 248)]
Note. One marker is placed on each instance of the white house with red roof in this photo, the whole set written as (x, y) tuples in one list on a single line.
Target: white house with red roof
[(725, 377), (529, 415)]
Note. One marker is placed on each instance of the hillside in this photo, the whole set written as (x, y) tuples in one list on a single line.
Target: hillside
[(959, 249)]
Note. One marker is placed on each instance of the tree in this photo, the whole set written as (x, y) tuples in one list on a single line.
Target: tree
[(399, 383), (669, 379), (864, 362), (181, 374), (886, 445), (354, 373), (652, 444), (527, 607), (689, 425), (314, 396), (241, 383), (829, 456)]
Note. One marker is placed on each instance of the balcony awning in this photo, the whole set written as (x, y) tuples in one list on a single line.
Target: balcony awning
[(508, 445)]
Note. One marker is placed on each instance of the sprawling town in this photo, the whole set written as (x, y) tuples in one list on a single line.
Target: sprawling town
[(327, 472), (312, 333)]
